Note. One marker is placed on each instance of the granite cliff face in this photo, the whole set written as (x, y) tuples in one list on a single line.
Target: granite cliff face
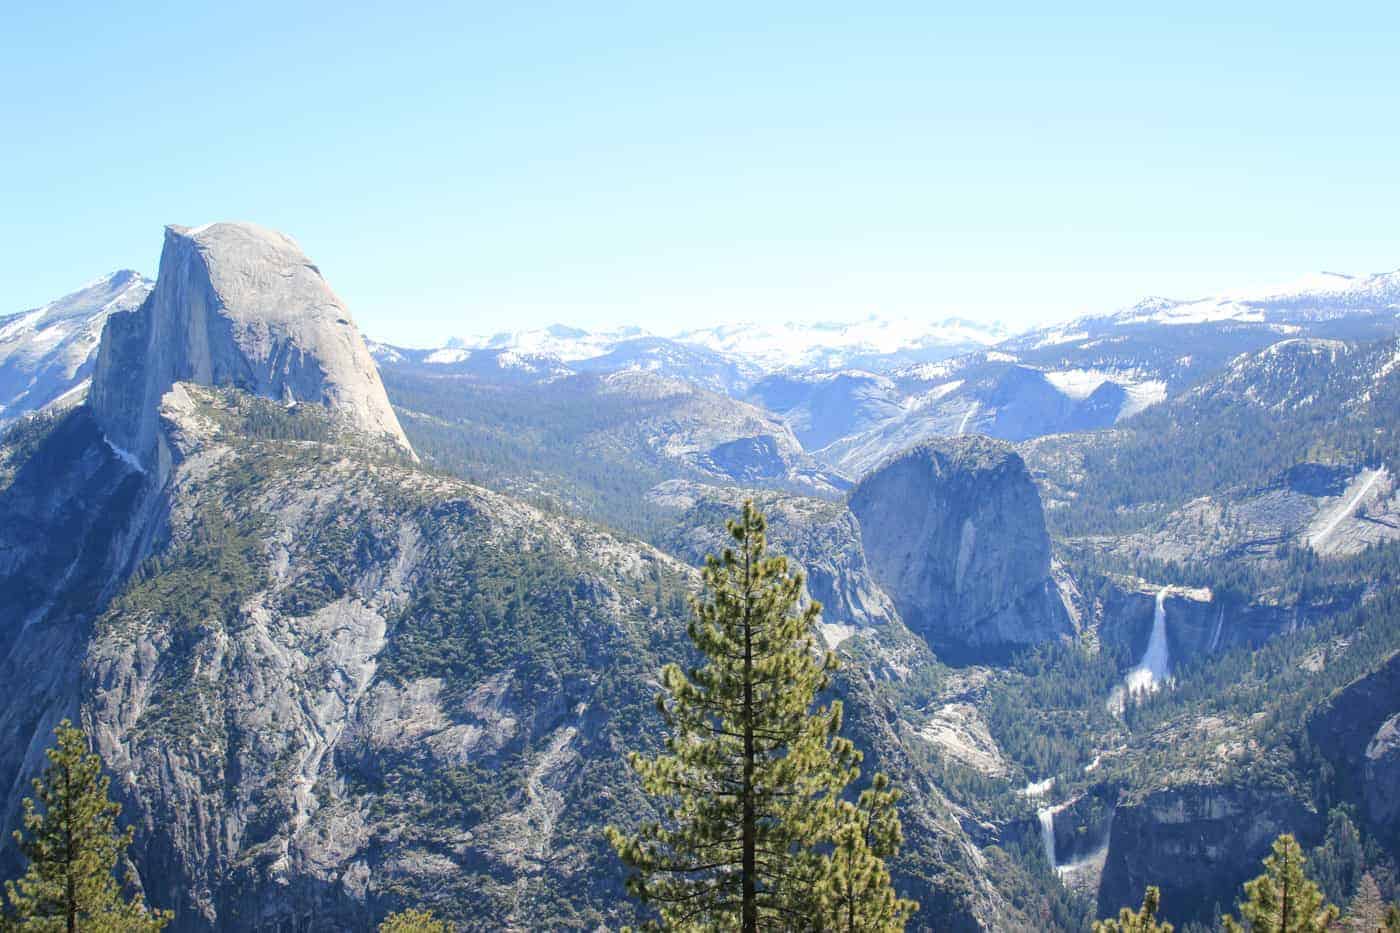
[(395, 687), (1198, 843), (72, 516), (955, 534), (235, 304)]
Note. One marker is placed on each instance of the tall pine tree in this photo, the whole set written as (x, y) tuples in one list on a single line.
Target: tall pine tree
[(754, 828), (1283, 899), (71, 840)]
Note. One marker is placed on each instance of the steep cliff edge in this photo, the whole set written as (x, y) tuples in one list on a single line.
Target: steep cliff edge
[(1358, 730), (234, 304), (1197, 842), (954, 532)]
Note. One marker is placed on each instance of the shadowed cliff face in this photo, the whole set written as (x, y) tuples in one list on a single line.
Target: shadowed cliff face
[(1358, 731), (954, 532), (238, 305), (1198, 843), (71, 516)]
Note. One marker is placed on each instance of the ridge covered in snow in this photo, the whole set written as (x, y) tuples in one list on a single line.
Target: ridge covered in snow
[(563, 343), (833, 345), (1311, 296), (875, 341), (46, 353)]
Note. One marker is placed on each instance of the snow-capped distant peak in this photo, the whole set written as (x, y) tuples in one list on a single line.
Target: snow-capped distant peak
[(1255, 302), (849, 344), (1320, 295), (1319, 282), (560, 341), (873, 342), (47, 351)]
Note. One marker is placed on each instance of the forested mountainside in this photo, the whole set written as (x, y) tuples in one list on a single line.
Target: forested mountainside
[(347, 646), (595, 443)]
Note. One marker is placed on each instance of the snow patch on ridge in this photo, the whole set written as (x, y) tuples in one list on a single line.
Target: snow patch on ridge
[(1077, 383), (1142, 395), (446, 356)]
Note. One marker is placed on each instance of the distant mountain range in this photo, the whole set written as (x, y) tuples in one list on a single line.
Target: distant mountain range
[(875, 342), (882, 344), (1148, 351)]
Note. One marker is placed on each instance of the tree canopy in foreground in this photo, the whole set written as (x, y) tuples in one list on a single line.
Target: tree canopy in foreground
[(754, 830), (72, 845)]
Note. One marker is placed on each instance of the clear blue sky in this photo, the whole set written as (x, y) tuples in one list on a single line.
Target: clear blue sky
[(515, 164)]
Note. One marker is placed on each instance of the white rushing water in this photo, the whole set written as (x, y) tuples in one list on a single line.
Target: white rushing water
[(1046, 816), (967, 416), (1037, 788), (1152, 671)]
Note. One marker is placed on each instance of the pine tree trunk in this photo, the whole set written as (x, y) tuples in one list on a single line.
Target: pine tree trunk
[(70, 892), (750, 830), (850, 897)]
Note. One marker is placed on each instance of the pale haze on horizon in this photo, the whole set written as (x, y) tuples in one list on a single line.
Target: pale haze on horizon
[(458, 172)]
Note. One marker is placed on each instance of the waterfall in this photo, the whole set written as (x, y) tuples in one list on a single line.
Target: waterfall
[(1046, 815), (1079, 865), (967, 416), (1155, 665)]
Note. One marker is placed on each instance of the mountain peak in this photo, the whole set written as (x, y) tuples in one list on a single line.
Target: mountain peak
[(235, 304)]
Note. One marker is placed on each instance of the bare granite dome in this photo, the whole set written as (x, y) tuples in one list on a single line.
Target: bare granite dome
[(240, 305), (955, 533)]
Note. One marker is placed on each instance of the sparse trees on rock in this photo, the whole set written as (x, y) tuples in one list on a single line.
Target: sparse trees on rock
[(754, 833), (71, 841)]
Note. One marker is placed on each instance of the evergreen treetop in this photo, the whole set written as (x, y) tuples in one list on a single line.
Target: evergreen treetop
[(753, 831), (1283, 899), (1142, 920), (71, 841), (1366, 913)]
